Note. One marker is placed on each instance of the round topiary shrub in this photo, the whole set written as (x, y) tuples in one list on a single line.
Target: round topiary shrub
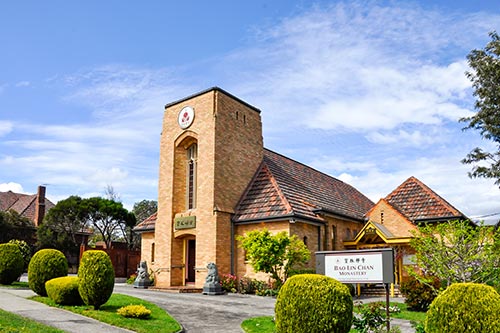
[(11, 263), (313, 303), (45, 265), (64, 290), (97, 278), (465, 307)]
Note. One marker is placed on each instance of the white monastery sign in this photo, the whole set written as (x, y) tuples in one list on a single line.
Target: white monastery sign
[(357, 266)]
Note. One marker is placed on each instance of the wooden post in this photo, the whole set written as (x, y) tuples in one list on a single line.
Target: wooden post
[(387, 312)]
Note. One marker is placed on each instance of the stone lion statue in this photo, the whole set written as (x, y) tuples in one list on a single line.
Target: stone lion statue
[(213, 274)]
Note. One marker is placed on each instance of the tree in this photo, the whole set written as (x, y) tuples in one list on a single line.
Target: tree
[(141, 210), (144, 209), (274, 254), (485, 77), (62, 226), (15, 226), (108, 217), (458, 251)]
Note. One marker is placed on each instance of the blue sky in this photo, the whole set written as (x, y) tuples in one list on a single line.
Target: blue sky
[(367, 91)]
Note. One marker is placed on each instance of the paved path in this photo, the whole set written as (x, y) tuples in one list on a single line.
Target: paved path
[(15, 300), (197, 313), (204, 313)]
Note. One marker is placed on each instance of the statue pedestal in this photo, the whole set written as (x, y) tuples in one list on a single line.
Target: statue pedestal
[(212, 289), (143, 284)]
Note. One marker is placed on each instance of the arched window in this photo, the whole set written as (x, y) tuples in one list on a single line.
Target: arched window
[(192, 160), (305, 240)]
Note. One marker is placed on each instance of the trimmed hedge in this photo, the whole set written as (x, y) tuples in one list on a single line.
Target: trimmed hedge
[(64, 290), (465, 307), (46, 265), (97, 278), (313, 303), (11, 263)]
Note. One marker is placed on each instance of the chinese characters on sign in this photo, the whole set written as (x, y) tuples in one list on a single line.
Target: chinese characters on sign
[(357, 266), (187, 222)]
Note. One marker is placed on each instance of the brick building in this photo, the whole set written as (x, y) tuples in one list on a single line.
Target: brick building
[(31, 206), (217, 181), (392, 220)]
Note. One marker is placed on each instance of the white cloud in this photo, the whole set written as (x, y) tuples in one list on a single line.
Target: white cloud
[(23, 84), (5, 127), (403, 137), (361, 90), (14, 187), (358, 66)]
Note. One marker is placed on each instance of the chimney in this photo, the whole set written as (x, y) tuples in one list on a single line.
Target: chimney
[(40, 205)]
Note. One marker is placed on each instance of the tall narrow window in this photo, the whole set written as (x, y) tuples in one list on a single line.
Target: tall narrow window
[(334, 236), (152, 252), (192, 158)]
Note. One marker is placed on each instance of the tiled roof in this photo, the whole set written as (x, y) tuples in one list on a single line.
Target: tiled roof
[(146, 225), (284, 187), (24, 204), (416, 201)]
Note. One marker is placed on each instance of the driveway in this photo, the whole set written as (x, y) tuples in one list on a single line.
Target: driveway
[(204, 313)]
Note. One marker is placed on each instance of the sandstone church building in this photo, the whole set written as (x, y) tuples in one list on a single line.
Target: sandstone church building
[(217, 181)]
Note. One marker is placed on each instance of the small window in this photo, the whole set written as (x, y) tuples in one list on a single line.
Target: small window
[(347, 233), (305, 240)]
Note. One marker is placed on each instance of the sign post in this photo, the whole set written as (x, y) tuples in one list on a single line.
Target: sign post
[(359, 266)]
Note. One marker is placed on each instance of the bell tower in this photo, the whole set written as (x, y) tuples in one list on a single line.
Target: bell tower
[(211, 146)]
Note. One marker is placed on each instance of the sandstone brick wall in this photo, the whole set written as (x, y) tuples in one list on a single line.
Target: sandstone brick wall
[(229, 138), (242, 268), (386, 215)]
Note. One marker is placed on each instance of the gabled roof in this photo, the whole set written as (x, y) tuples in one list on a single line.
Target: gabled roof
[(24, 204), (417, 202), (283, 187), (373, 233), (146, 225)]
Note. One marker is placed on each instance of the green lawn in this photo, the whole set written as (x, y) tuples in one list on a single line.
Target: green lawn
[(12, 323), (160, 320), (258, 325), (18, 285)]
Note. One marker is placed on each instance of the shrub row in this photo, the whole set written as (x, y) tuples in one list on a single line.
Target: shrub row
[(47, 275), (246, 285)]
